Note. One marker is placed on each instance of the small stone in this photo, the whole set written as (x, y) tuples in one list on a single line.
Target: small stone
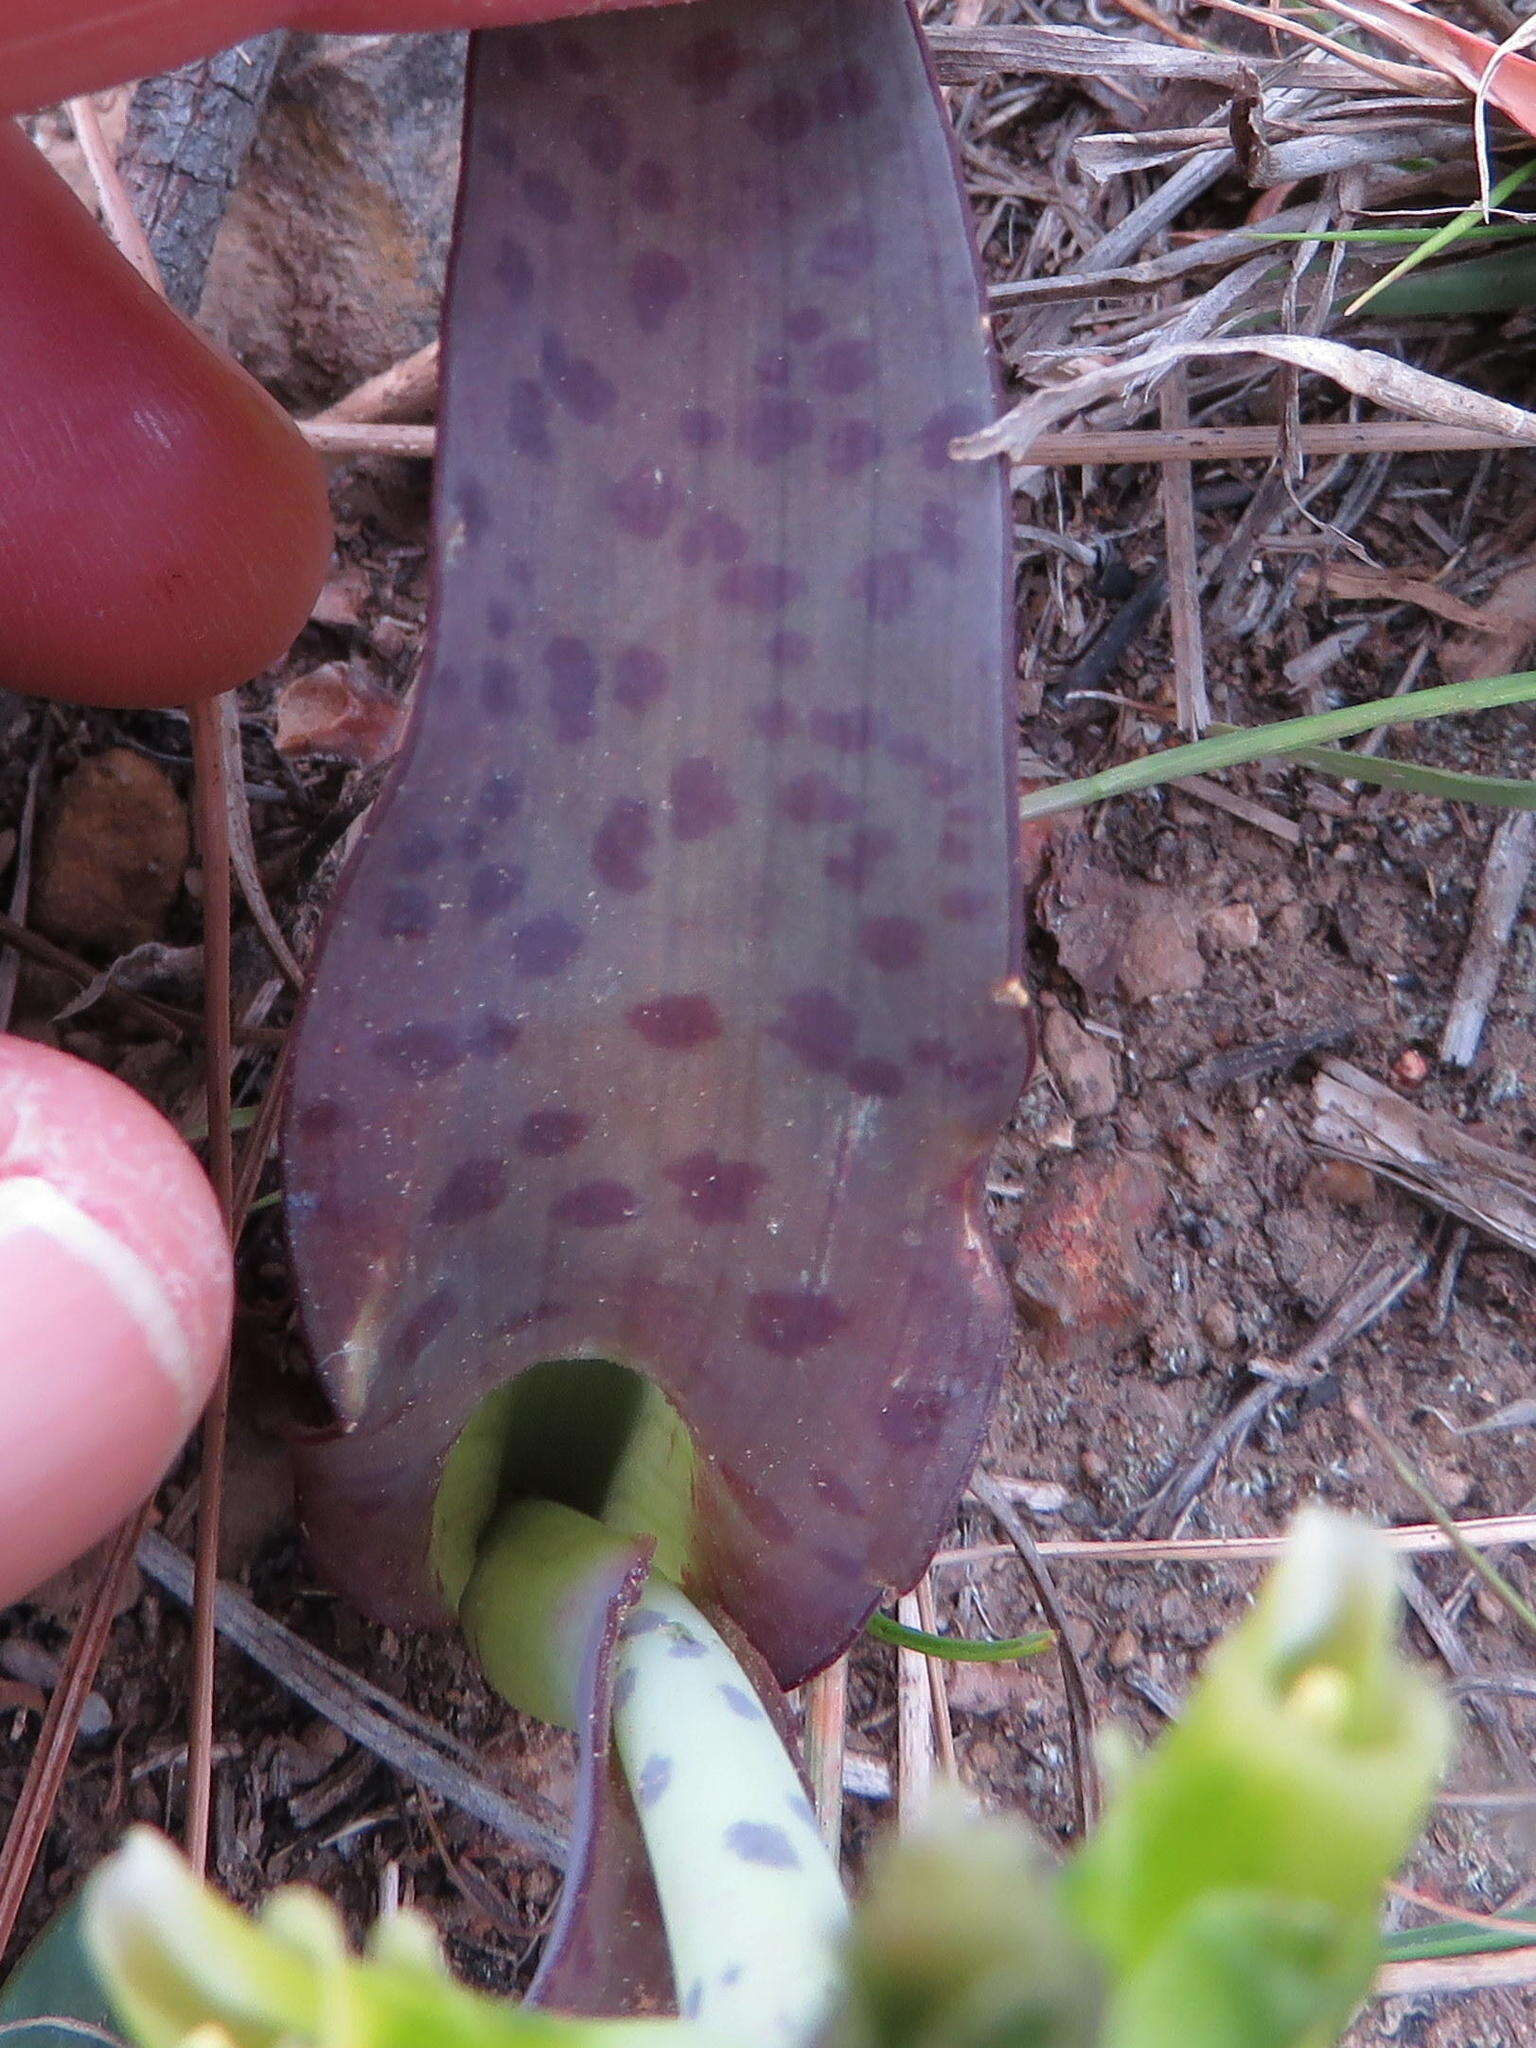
[(1093, 1465), (1410, 1069), (111, 857), (1219, 1322), (1231, 928), (1124, 1650), (1083, 1066), (1080, 1273), (1339, 1184), (1160, 956), (1059, 1135)]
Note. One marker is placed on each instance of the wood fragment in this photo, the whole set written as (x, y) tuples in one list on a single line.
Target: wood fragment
[(914, 1726), (1082, 448), (1236, 805), (406, 1741), (826, 1732), (1506, 873), (189, 132), (1269, 1056), (1492, 1187), (1192, 701)]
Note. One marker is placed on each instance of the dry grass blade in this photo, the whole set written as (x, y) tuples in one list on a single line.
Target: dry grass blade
[(964, 54), (1415, 1539), (1456, 1973), (1085, 1773), (242, 847), (1366, 372), (914, 1726), (826, 1740), (1489, 1186)]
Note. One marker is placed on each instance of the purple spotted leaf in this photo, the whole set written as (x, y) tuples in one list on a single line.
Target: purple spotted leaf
[(665, 1015)]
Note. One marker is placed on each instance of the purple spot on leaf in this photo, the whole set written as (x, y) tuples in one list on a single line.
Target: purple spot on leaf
[(490, 1037), (655, 186), (780, 118), (774, 427), (658, 281), (701, 799), (500, 795), (846, 94), (806, 324), (713, 536), (639, 678), (514, 270), (759, 586), (964, 906), (892, 943), (601, 134), (643, 502), (428, 1322), (913, 1420), (818, 1028), (620, 845), (774, 369), (698, 427), (741, 1703), (815, 799), (845, 251), (885, 584), (597, 1205), (955, 847), (792, 1321), (546, 197), (852, 445), (775, 720), (715, 1190), (528, 420), (941, 535), (475, 1188), (546, 1133), (844, 367), (788, 650), (545, 945), (708, 64), (676, 1023), (882, 1078), (850, 732), (419, 850), (408, 913), (572, 688), (494, 888), (499, 694), (854, 868), (576, 384), (323, 1119)]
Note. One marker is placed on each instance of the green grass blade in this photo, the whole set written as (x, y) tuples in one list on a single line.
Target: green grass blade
[(1502, 791), (1286, 736), (958, 1649), (1435, 1944), (1443, 237)]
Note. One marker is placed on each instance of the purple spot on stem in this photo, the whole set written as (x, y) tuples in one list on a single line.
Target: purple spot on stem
[(788, 650), (597, 1205), (845, 251), (546, 1133), (941, 535), (499, 693), (475, 1188), (775, 720), (964, 906), (545, 945), (854, 868), (806, 324), (491, 1037), (773, 368), (419, 850), (514, 270), (654, 1777), (429, 1322), (780, 118), (882, 1078), (501, 793), (620, 845), (676, 1023), (702, 802), (846, 94)]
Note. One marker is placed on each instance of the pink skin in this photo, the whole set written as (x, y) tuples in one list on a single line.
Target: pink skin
[(115, 1299)]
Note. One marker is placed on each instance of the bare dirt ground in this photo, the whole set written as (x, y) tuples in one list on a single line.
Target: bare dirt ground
[(1179, 1242)]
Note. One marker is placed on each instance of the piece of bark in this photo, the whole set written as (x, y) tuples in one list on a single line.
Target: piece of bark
[(1489, 1186), (188, 135)]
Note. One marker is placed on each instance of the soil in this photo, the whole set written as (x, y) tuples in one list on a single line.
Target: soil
[(1170, 1230)]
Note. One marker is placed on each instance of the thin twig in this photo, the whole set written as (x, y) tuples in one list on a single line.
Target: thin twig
[(914, 1726), (1413, 1539), (1085, 1773), (1506, 871), (117, 213)]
